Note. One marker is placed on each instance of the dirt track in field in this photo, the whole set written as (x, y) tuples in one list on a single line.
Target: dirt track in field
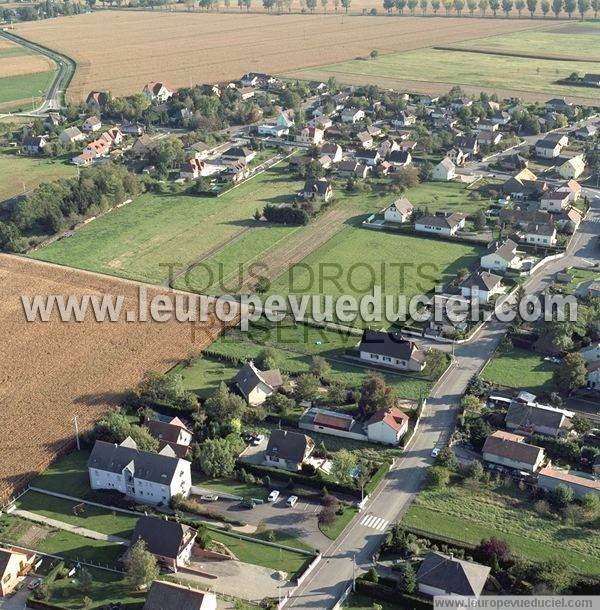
[(124, 50), (51, 371)]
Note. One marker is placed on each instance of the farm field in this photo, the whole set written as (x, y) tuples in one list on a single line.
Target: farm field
[(86, 366), (557, 41), (211, 47), (426, 264), (23, 75), (519, 368), (19, 173), (471, 513), (530, 78)]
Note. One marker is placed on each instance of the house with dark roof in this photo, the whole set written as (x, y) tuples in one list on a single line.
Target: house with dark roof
[(14, 565), (500, 256), (368, 157), (317, 190), (511, 450), (96, 100), (34, 145), (288, 450), (445, 575), (547, 148), (169, 541), (149, 478), (391, 350), (543, 234), (400, 158), (172, 432), (387, 426), (256, 385), (442, 223), (481, 285), (170, 596), (334, 423), (533, 418), (236, 154)]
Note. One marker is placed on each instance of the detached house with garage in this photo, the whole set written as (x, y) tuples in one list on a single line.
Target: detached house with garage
[(317, 190), (171, 432), (511, 451), (532, 418), (482, 285), (288, 450), (391, 350), (542, 234), (170, 542), (444, 171), (399, 211), (91, 125), (256, 385), (555, 201), (443, 223), (150, 478), (158, 91), (572, 168), (500, 256), (387, 426)]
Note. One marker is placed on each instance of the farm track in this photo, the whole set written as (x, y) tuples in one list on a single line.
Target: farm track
[(548, 56), (54, 371)]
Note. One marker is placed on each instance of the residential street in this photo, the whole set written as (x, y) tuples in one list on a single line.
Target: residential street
[(324, 587)]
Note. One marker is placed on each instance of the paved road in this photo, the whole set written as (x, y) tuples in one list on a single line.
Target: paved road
[(359, 541)]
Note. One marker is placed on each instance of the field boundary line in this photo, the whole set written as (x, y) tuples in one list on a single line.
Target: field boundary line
[(523, 54)]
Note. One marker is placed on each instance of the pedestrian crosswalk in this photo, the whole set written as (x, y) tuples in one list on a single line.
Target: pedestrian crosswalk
[(377, 523)]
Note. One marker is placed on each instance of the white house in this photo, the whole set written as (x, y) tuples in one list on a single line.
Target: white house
[(510, 450), (391, 350), (82, 160), (352, 115), (548, 149), (457, 155), (310, 135), (582, 484), (441, 224), (445, 170), (555, 201), (97, 148), (387, 426), (441, 574), (500, 256), (273, 130), (333, 151), (573, 188), (192, 169), (481, 286), (572, 168), (34, 145), (157, 91), (398, 211), (288, 450), (150, 478), (540, 234), (14, 566), (71, 134), (91, 125), (256, 385)]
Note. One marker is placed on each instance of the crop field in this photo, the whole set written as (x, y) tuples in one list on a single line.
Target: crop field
[(54, 371), (19, 173), (23, 75), (526, 77), (192, 47)]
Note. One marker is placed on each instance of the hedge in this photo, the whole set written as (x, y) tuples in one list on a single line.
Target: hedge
[(376, 479), (387, 594)]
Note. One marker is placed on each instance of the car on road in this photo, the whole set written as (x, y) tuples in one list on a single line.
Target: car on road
[(273, 496), (435, 452), (34, 584), (291, 501), (209, 497)]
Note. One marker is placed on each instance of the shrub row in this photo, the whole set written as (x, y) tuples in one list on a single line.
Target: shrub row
[(388, 594)]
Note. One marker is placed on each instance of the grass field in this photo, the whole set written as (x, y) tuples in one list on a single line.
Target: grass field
[(212, 47), (580, 276), (522, 369), (534, 77), (450, 196), (68, 472), (108, 522), (19, 173), (341, 521), (355, 260), (16, 91), (555, 41), (470, 513)]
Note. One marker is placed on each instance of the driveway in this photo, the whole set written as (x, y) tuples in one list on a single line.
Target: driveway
[(19, 599)]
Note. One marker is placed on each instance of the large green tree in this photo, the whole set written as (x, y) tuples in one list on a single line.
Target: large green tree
[(141, 566), (216, 458), (571, 374)]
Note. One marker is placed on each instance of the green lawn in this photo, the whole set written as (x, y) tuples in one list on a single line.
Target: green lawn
[(19, 173), (485, 71), (262, 554), (335, 529), (237, 488), (90, 517), (362, 602), (68, 475), (451, 196), (356, 259), (140, 240), (20, 89), (579, 276), (522, 369), (554, 41), (470, 513)]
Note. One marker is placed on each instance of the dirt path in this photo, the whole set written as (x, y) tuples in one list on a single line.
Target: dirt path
[(284, 255)]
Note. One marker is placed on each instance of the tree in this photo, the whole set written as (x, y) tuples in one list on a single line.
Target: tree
[(437, 477), (223, 405), (561, 496), (494, 547), (459, 5), (545, 7), (571, 374), (472, 6), (435, 6), (375, 394), (320, 367), (595, 4), (591, 505), (306, 387), (216, 458), (582, 425), (475, 470), (141, 566), (423, 4), (531, 7), (555, 573), (115, 427), (346, 4), (342, 465), (374, 54), (471, 403), (478, 432), (570, 6), (400, 4), (389, 5), (557, 7), (10, 237), (507, 6), (494, 6), (407, 579), (479, 220), (447, 459), (483, 6), (371, 575), (520, 6), (267, 359)]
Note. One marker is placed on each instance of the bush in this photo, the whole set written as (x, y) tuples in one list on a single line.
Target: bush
[(437, 477), (371, 575), (286, 215)]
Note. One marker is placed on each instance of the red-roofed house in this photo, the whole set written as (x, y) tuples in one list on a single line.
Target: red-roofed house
[(192, 169), (97, 148), (387, 426), (157, 92)]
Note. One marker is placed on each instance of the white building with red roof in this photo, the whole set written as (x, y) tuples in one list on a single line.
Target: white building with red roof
[(387, 426), (158, 91)]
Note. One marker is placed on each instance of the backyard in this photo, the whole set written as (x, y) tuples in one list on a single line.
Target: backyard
[(520, 369), (68, 474), (469, 513)]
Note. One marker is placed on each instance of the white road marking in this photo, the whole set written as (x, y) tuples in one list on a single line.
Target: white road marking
[(374, 522)]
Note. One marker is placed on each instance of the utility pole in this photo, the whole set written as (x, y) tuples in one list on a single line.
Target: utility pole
[(76, 432)]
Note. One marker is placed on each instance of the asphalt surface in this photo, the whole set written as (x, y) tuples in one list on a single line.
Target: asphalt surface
[(359, 542)]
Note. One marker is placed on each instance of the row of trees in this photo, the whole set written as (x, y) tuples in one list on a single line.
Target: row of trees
[(533, 7)]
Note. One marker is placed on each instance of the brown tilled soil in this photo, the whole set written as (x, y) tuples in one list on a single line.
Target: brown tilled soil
[(24, 64), (121, 51), (51, 371)]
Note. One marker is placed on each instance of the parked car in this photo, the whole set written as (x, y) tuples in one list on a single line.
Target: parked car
[(258, 440), (273, 496), (435, 452), (247, 503), (209, 497), (291, 501), (34, 584)]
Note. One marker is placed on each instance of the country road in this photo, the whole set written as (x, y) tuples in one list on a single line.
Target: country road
[(333, 576)]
